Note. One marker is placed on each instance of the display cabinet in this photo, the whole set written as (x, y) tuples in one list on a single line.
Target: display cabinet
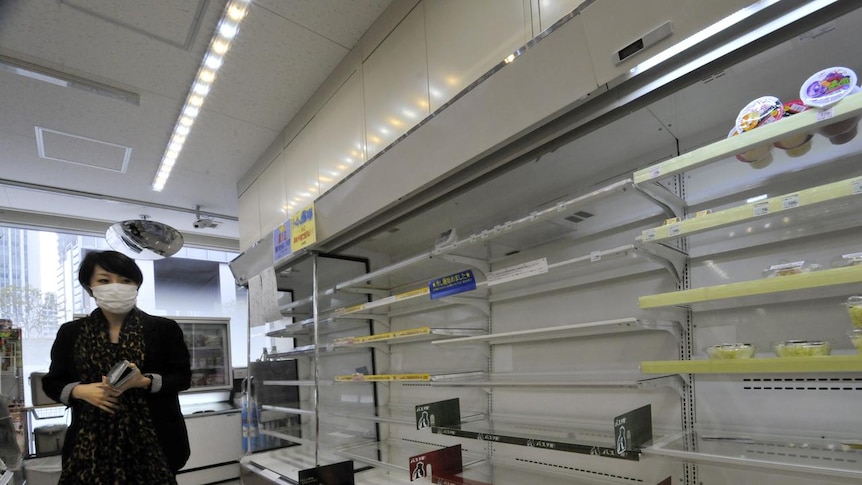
[(584, 281), (208, 341)]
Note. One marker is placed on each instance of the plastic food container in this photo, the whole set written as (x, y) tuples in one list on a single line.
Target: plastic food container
[(803, 348), (757, 157), (825, 88), (856, 338), (854, 309), (787, 269), (730, 351), (795, 145)]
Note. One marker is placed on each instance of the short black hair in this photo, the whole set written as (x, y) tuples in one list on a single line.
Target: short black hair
[(112, 261)]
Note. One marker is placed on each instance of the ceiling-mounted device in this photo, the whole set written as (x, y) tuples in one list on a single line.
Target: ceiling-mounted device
[(144, 239), (203, 222)]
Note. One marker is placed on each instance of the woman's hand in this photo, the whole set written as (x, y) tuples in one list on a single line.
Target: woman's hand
[(98, 394), (138, 380)]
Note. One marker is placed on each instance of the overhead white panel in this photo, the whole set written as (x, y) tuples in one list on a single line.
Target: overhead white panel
[(613, 25), (466, 39), (395, 81), (552, 10), (249, 217), (272, 196), (341, 135), (300, 169)]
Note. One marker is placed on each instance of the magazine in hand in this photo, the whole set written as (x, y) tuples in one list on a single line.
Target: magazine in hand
[(120, 374)]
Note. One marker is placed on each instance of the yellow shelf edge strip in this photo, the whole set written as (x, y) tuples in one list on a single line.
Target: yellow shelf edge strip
[(382, 377), (803, 198), (829, 363), (776, 284), (383, 301), (805, 122), (383, 336)]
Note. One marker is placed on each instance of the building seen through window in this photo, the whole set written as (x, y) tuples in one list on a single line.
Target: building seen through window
[(39, 291)]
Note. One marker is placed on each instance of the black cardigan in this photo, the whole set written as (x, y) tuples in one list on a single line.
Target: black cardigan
[(165, 354)]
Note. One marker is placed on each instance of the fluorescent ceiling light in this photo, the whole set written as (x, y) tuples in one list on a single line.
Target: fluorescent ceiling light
[(66, 80), (227, 28)]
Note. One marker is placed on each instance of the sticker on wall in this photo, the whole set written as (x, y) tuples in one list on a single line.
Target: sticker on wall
[(452, 284), (281, 241), (302, 229)]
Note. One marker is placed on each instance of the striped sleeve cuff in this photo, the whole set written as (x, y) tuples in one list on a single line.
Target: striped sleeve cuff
[(66, 395), (156, 386)]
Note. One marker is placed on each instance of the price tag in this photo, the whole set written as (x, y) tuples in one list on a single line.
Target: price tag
[(649, 235), (825, 114), (595, 256), (790, 202), (673, 230), (761, 208), (857, 186), (655, 172)]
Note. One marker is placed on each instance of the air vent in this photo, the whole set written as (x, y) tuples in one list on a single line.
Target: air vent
[(79, 150), (579, 216), (803, 384), (582, 470)]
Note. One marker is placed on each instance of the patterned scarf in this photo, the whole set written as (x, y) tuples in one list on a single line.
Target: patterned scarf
[(120, 448)]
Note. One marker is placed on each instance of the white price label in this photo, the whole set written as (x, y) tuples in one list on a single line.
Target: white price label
[(654, 173), (857, 186), (826, 114), (595, 256), (790, 202), (517, 272), (649, 235), (673, 230), (761, 208)]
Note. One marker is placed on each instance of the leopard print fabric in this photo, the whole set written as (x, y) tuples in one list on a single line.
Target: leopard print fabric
[(120, 448)]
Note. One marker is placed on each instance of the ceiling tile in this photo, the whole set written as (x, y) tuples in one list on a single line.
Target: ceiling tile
[(339, 21)]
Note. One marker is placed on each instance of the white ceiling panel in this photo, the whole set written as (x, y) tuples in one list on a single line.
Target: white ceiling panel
[(340, 21), (283, 53)]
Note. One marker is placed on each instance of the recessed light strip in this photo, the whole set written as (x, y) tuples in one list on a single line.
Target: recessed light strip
[(227, 28)]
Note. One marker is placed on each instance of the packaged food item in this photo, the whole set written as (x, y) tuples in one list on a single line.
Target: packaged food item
[(795, 145), (856, 338), (759, 112), (784, 268), (803, 348), (854, 309), (825, 88), (730, 351), (757, 157)]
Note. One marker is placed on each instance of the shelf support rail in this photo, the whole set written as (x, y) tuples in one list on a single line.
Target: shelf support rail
[(670, 203), (672, 259)]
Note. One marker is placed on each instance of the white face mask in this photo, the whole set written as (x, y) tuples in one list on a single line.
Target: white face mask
[(116, 298)]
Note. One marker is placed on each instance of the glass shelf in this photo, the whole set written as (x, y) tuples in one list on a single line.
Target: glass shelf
[(775, 212), (327, 326), (806, 122), (330, 436), (563, 437), (286, 463), (410, 335), (811, 457), (569, 380), (411, 377), (308, 351), (825, 363), (816, 284), (568, 331), (394, 414), (395, 454)]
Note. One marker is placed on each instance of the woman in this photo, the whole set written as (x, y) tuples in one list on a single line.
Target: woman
[(134, 434)]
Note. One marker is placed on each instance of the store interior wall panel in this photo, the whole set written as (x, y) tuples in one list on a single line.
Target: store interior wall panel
[(790, 404), (614, 24), (541, 81), (395, 83), (341, 134), (249, 217), (300, 168), (728, 475), (549, 11), (466, 39), (272, 196)]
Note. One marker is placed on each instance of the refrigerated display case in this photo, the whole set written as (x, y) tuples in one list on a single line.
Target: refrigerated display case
[(208, 341), (624, 239)]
